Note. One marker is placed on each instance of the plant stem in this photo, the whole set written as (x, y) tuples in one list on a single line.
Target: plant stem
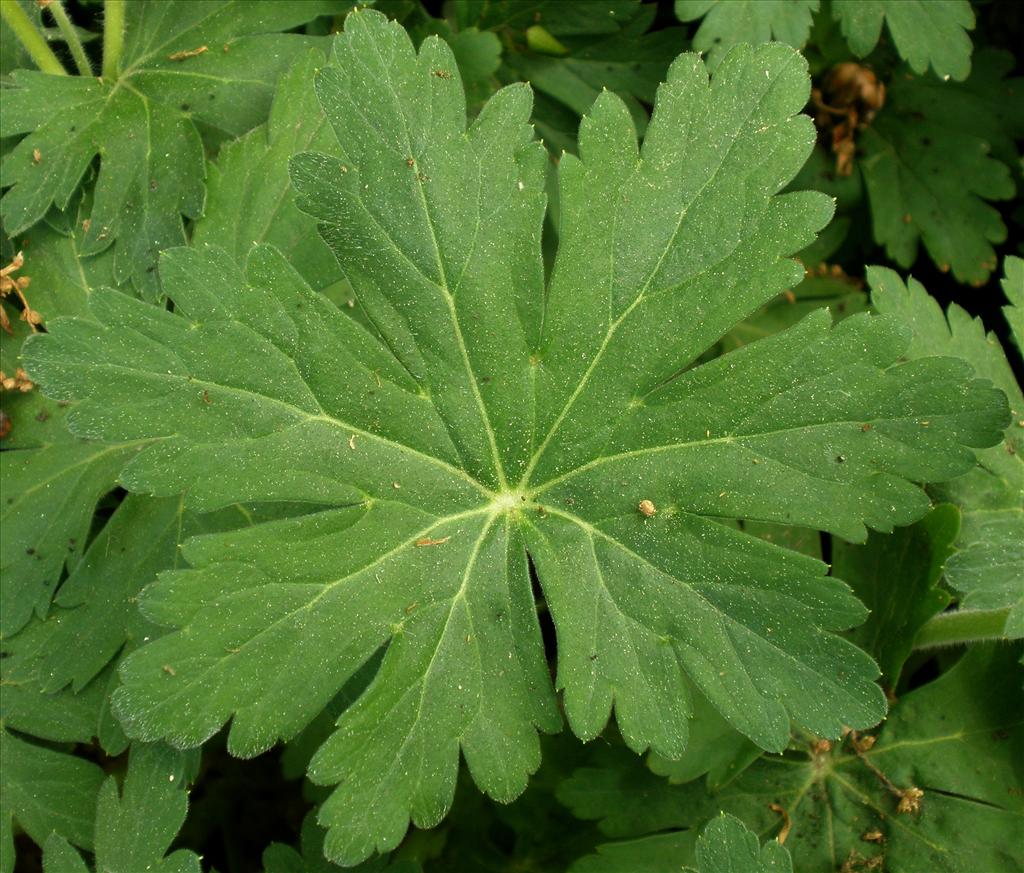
[(962, 626), (70, 35), (113, 37), (30, 37)]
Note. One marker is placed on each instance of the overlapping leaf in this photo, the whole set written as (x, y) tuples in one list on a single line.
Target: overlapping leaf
[(185, 61), (988, 567), (728, 22), (43, 788), (926, 127), (489, 417), (954, 740), (932, 33), (52, 480), (135, 826), (249, 194), (45, 792)]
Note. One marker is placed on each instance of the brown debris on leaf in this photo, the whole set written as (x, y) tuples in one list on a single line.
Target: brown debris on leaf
[(427, 541), (191, 53), (9, 284), (18, 382), (787, 822), (847, 102)]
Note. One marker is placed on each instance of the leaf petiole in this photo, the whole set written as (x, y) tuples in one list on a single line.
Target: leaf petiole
[(113, 37), (962, 626), (30, 37), (67, 29)]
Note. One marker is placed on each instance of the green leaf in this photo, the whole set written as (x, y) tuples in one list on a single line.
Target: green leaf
[(896, 576), (490, 419), (582, 18), (728, 22), (143, 125), (725, 845), (907, 152), (988, 567), (715, 748), (45, 791), (925, 34), (249, 194), (955, 739), (135, 827)]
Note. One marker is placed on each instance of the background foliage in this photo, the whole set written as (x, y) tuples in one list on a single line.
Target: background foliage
[(129, 128)]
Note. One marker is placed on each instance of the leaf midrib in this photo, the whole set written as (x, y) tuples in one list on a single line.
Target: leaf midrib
[(578, 390)]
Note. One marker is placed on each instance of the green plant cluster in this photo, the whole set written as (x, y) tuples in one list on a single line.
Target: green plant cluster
[(504, 435)]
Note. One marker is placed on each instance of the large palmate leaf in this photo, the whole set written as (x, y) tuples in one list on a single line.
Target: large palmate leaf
[(135, 827), (937, 791), (988, 567), (925, 32), (727, 22), (488, 419), (184, 61)]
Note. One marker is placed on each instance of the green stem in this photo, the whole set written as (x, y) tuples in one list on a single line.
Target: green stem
[(113, 37), (70, 35), (962, 626), (30, 37)]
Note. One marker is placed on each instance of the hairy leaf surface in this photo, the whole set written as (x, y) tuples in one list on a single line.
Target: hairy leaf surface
[(489, 421)]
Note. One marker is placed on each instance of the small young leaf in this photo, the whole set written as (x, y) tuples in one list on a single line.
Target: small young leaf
[(727, 845)]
